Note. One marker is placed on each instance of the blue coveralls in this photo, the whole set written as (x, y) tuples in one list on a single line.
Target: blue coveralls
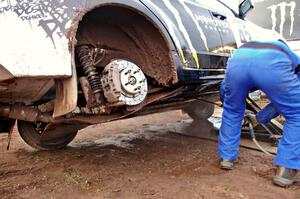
[(272, 71)]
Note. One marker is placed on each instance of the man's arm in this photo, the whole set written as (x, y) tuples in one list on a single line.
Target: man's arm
[(267, 114)]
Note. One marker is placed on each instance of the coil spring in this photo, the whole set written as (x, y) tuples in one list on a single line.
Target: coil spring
[(86, 55)]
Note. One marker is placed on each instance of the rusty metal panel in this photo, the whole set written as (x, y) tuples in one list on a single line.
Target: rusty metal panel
[(24, 90), (33, 36), (66, 96), (5, 74)]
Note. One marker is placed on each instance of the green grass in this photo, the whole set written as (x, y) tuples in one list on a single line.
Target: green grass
[(75, 178)]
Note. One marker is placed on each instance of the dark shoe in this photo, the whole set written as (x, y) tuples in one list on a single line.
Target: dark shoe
[(227, 164), (284, 177)]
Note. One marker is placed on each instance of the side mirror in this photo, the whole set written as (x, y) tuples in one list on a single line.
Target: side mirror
[(245, 7)]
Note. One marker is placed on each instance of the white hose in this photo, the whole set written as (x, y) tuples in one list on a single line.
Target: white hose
[(255, 141), (261, 148)]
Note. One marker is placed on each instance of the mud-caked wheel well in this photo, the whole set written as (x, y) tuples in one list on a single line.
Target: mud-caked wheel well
[(129, 35)]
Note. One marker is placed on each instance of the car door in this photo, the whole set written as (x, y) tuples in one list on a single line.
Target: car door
[(231, 28), (209, 54), (201, 39)]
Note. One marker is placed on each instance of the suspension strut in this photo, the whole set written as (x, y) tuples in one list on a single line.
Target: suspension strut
[(87, 55)]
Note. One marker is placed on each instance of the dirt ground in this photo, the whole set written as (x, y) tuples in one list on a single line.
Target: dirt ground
[(135, 158)]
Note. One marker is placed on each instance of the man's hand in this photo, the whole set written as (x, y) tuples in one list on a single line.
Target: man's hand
[(249, 115)]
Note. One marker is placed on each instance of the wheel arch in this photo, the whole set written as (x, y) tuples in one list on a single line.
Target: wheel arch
[(142, 12), (68, 98)]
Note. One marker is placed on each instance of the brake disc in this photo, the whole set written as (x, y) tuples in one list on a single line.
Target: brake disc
[(124, 83)]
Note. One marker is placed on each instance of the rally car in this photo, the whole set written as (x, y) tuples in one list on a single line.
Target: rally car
[(65, 65)]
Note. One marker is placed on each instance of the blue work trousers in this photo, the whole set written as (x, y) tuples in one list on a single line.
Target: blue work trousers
[(271, 71)]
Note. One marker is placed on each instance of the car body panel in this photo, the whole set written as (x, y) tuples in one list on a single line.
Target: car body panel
[(34, 41), (180, 47), (48, 22), (205, 39), (295, 45), (186, 21), (280, 16), (41, 42), (188, 24)]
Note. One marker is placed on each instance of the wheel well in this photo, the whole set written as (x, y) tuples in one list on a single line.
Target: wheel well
[(129, 35)]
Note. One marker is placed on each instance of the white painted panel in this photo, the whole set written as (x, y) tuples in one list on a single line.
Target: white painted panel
[(295, 46), (26, 47)]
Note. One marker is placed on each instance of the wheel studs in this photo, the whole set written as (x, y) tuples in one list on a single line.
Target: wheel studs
[(128, 72), (137, 71)]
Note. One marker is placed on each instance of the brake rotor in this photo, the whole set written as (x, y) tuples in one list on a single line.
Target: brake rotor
[(124, 83)]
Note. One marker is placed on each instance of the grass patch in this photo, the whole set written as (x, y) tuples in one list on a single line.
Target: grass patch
[(75, 178)]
